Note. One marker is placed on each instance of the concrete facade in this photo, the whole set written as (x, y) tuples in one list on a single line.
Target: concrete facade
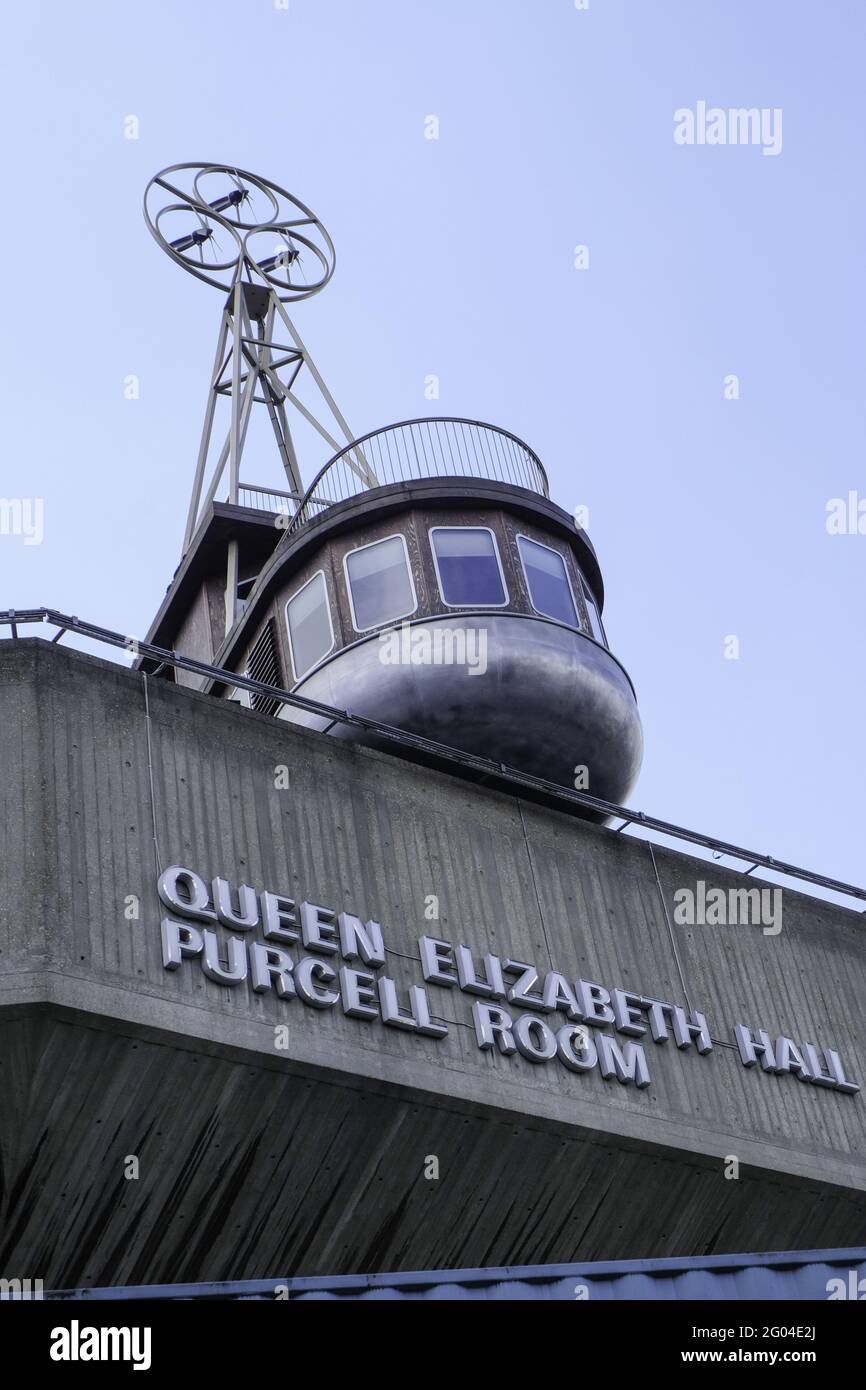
[(306, 1156)]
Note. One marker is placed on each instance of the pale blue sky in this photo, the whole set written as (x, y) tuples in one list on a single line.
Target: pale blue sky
[(455, 257)]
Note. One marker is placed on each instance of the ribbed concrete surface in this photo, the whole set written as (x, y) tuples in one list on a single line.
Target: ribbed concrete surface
[(311, 1161)]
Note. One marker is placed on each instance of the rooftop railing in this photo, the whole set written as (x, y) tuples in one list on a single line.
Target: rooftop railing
[(163, 659), (417, 449), (267, 499)]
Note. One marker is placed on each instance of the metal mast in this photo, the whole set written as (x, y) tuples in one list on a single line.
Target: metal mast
[(263, 249)]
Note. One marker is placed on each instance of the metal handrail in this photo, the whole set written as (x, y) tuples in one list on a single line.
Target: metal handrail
[(485, 767), (267, 499), (438, 447)]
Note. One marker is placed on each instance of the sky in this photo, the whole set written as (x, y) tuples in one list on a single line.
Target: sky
[(693, 378)]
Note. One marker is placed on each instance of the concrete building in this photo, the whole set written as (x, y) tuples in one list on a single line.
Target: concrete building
[(320, 955), (301, 1135)]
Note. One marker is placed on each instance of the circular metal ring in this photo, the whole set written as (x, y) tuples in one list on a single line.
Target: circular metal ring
[(261, 184), (290, 290), (197, 267), (287, 215)]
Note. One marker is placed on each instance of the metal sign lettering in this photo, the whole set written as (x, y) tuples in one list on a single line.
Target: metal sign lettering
[(515, 1011)]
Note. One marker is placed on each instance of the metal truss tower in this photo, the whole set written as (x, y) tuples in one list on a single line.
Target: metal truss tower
[(263, 249)]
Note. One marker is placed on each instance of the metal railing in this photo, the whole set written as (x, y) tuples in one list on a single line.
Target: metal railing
[(267, 499), (416, 449), (485, 768)]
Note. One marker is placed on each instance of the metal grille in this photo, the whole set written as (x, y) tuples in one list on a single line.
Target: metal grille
[(264, 666)]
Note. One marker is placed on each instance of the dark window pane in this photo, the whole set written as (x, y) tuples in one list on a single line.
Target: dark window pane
[(380, 582), (468, 567), (547, 579)]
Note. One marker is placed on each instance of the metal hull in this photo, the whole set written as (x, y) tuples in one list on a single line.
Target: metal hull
[(529, 693)]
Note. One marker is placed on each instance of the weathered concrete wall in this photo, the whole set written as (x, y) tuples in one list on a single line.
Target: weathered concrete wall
[(613, 1170)]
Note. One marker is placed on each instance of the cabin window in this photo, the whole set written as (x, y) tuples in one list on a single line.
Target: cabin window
[(308, 619), (595, 625), (547, 581), (380, 583), (468, 567)]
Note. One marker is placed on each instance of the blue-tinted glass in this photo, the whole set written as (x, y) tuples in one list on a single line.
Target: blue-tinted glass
[(468, 567), (546, 576)]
